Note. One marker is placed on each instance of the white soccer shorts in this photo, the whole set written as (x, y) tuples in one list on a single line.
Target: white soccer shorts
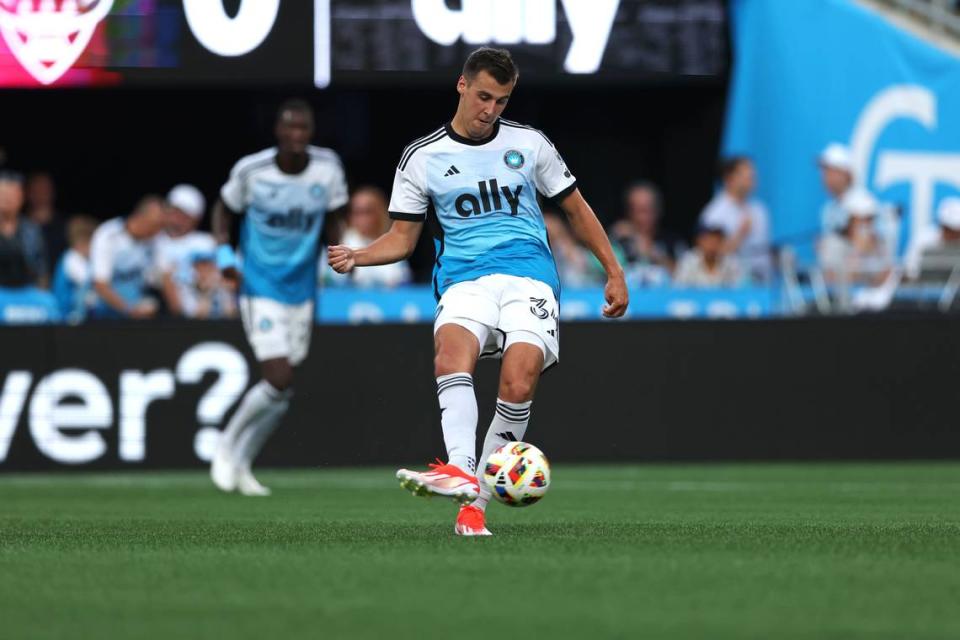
[(501, 310), (277, 330)]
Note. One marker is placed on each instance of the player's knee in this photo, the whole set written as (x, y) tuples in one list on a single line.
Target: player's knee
[(446, 362), (517, 388), (279, 377)]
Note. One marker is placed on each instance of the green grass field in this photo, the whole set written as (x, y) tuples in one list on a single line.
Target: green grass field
[(726, 551)]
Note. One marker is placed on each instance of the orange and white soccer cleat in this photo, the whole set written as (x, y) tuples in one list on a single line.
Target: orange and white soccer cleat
[(447, 480), (471, 521)]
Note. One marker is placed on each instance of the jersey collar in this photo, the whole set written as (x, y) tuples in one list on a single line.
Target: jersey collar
[(456, 137)]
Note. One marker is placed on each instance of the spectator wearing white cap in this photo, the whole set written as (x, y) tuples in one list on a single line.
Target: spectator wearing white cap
[(836, 170), (946, 234), (856, 255), (180, 242)]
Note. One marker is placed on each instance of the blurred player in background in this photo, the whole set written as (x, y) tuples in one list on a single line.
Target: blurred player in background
[(495, 277), (284, 194)]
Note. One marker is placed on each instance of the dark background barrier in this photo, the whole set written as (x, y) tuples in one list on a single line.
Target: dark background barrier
[(811, 389)]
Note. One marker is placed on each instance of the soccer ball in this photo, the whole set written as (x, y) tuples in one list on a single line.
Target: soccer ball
[(517, 474)]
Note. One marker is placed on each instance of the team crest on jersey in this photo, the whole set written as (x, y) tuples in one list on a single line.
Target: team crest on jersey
[(513, 159), (48, 36)]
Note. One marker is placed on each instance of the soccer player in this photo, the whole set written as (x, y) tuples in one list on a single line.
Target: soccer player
[(284, 194), (495, 279)]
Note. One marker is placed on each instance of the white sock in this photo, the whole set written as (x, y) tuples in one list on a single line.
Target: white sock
[(256, 401), (458, 416), (509, 424), (253, 438)]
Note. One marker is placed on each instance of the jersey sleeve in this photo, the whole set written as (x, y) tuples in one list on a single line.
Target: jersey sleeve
[(339, 194), (554, 179), (101, 257), (234, 192), (409, 200)]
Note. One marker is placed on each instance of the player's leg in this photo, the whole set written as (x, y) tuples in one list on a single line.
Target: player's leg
[(460, 333), (530, 320), (523, 359), (279, 374), (276, 390), (456, 351), (263, 322)]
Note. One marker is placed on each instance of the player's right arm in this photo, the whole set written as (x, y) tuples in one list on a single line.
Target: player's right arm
[(232, 201), (408, 208), (395, 245), (220, 223)]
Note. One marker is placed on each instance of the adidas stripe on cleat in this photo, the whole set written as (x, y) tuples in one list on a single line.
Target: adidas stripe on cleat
[(445, 480)]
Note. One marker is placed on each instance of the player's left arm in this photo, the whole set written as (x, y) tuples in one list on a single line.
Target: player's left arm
[(589, 230)]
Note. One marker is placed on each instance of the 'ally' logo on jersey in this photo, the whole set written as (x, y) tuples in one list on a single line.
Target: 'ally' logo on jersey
[(489, 199), (513, 159)]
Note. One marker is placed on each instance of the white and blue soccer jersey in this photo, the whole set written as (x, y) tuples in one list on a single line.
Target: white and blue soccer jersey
[(284, 215), (122, 261), (484, 196)]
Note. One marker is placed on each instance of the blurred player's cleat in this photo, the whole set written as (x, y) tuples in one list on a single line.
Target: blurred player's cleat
[(447, 480), (471, 522), (222, 471), (247, 484)]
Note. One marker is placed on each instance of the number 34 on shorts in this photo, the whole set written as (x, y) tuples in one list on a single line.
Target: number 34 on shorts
[(494, 306)]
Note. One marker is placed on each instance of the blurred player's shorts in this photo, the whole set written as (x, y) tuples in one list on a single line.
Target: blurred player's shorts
[(277, 330), (501, 310)]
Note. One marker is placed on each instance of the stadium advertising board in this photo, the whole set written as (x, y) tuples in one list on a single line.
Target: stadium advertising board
[(319, 42), (153, 395), (811, 73)]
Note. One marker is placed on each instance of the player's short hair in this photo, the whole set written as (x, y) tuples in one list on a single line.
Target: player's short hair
[(80, 228), (497, 62), (296, 105), (730, 164)]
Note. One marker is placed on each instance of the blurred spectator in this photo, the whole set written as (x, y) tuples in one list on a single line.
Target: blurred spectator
[(947, 234), (574, 262), (23, 255), (206, 295), (177, 245), (707, 265), (72, 281), (836, 170), (367, 220), (744, 220), (121, 258), (651, 252), (856, 255), (41, 210)]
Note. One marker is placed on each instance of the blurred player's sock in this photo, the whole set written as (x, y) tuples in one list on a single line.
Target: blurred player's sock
[(256, 404), (458, 416), (254, 436), (509, 425)]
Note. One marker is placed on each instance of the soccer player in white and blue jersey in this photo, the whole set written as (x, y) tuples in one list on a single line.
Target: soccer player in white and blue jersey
[(495, 278), (284, 195)]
